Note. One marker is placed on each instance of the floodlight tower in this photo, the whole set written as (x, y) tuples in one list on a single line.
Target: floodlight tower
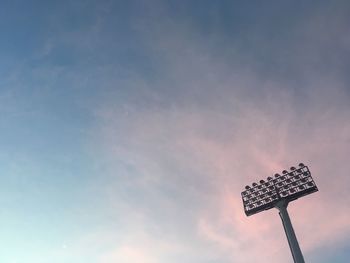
[(278, 192)]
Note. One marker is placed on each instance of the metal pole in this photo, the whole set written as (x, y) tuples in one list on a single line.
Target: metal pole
[(288, 229)]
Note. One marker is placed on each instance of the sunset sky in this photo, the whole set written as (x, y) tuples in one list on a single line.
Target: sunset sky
[(130, 128)]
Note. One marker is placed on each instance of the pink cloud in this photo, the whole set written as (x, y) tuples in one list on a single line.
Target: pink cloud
[(223, 128)]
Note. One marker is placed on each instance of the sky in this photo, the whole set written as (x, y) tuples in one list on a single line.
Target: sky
[(130, 128)]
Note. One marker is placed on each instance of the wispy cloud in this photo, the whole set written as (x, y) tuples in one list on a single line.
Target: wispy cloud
[(175, 108), (196, 134)]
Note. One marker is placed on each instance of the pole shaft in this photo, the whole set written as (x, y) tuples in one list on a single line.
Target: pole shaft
[(288, 229)]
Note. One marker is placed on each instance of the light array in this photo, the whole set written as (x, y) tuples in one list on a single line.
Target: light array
[(289, 186)]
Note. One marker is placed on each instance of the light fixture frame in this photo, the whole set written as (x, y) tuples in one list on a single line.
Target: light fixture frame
[(287, 187)]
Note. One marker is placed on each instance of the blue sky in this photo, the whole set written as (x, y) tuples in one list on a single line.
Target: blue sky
[(129, 129)]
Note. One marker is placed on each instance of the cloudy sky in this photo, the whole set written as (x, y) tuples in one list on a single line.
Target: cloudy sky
[(129, 129)]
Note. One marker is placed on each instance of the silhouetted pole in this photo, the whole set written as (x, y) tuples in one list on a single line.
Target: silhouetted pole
[(288, 229), (277, 193)]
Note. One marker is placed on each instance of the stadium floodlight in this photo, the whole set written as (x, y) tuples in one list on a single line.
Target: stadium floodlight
[(277, 192)]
